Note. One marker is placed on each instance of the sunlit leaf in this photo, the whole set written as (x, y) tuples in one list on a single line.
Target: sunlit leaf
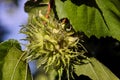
[(94, 17), (11, 65), (111, 13)]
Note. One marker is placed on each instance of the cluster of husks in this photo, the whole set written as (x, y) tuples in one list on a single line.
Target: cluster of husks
[(52, 44)]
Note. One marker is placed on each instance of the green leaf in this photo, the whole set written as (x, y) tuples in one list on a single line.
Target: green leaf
[(11, 65), (100, 18), (95, 70), (111, 13)]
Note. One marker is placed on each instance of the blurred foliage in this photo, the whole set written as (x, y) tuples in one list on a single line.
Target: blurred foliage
[(11, 1), (3, 32)]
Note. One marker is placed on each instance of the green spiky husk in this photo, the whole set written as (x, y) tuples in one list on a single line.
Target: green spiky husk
[(52, 45)]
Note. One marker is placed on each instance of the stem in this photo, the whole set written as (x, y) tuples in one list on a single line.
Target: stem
[(48, 10)]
